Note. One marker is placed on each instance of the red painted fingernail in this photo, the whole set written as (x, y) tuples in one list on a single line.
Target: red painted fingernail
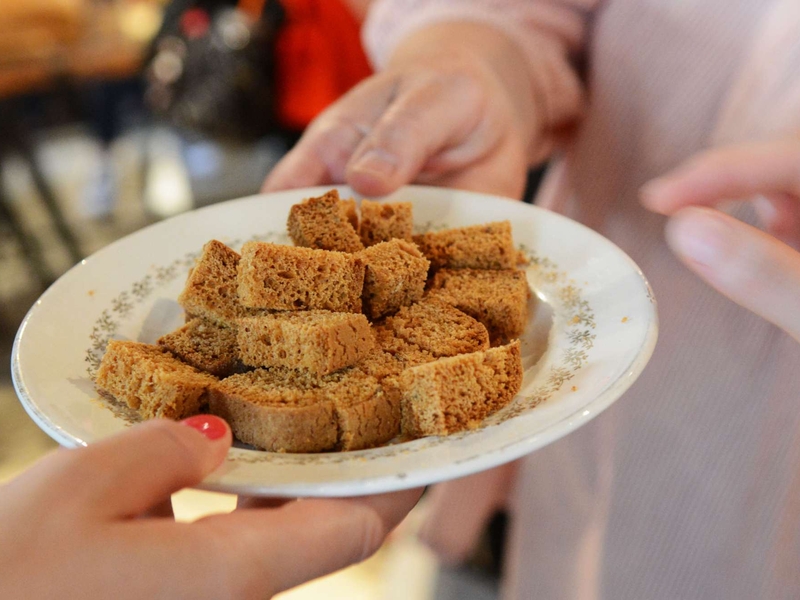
[(210, 426)]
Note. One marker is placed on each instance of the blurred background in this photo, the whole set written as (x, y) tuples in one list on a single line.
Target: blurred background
[(117, 113)]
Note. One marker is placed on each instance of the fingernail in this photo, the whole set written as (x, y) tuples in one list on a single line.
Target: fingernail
[(376, 161), (210, 426), (700, 235)]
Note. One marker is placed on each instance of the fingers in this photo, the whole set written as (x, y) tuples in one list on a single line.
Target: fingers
[(268, 551), (501, 173), (396, 128), (727, 174), (162, 510), (391, 508), (429, 114), (243, 502), (129, 473), (321, 155), (750, 267)]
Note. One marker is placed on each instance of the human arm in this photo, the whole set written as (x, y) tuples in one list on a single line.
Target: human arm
[(76, 525)]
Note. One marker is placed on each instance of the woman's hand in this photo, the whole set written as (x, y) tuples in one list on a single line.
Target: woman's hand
[(760, 271), (77, 525), (453, 108)]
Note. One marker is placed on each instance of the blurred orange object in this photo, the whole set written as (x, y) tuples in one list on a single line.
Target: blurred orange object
[(35, 28), (44, 40), (318, 58)]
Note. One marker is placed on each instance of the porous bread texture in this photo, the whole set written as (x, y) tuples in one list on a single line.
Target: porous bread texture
[(488, 246), (384, 221), (393, 354), (406, 352), (323, 223), (317, 341), (498, 299), (282, 410), (291, 278), (350, 212), (211, 288), (367, 415), (386, 364), (205, 346), (396, 273), (438, 328), (457, 393), (150, 380)]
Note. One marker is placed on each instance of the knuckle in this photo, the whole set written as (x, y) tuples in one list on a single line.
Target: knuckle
[(372, 533), (335, 138), (402, 126), (232, 575), (243, 569)]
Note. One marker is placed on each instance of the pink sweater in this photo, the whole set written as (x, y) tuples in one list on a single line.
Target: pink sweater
[(689, 487)]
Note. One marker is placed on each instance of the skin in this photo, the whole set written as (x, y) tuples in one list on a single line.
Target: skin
[(451, 109), (79, 524), (760, 270)]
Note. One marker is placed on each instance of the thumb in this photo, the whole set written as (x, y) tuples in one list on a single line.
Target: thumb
[(127, 474), (745, 264), (433, 121)]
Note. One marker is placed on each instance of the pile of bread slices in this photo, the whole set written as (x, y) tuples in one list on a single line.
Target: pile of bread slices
[(359, 334)]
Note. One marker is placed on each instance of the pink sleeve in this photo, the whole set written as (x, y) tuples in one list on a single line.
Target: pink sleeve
[(551, 34)]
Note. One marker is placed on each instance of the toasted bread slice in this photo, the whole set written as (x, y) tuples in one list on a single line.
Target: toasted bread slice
[(384, 221), (323, 223), (211, 288), (487, 246), (150, 380), (457, 393), (289, 411), (395, 277), (205, 346), (317, 341), (498, 299), (438, 328), (271, 414), (290, 278)]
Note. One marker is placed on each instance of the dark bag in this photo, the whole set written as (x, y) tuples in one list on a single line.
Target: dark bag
[(211, 68)]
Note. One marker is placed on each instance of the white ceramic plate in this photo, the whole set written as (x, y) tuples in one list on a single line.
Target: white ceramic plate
[(592, 333)]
